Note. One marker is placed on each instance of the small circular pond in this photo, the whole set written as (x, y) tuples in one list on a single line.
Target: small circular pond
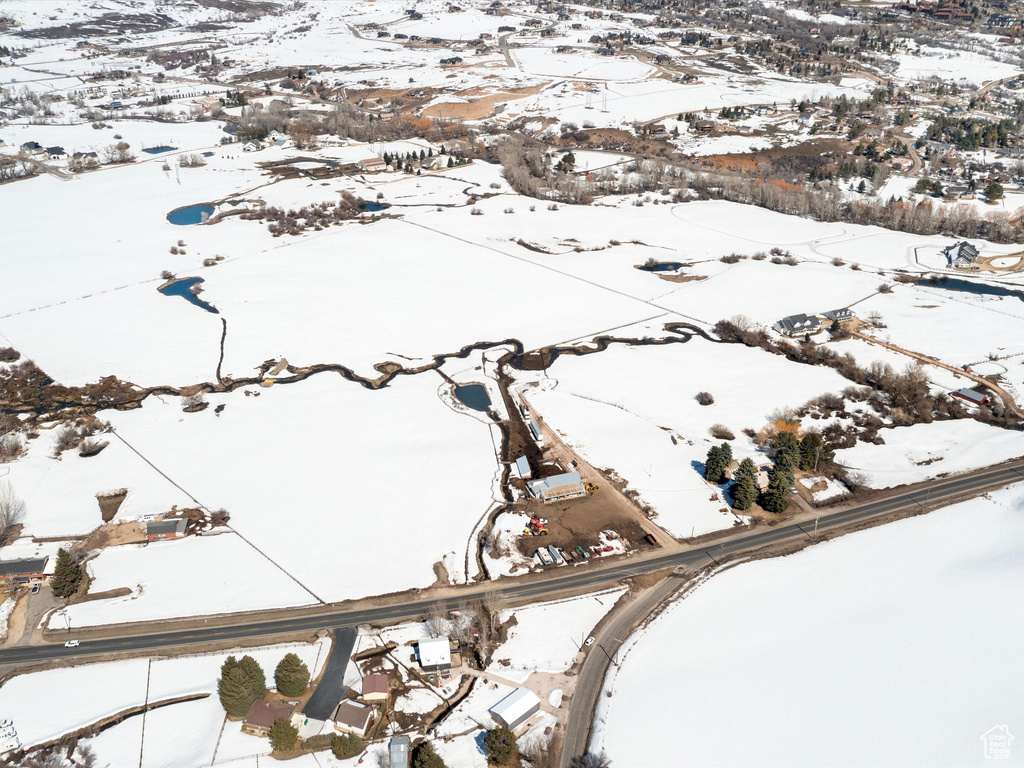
[(193, 214)]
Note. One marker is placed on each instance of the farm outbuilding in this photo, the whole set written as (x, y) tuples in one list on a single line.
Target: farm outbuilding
[(558, 487), (515, 709), (523, 468)]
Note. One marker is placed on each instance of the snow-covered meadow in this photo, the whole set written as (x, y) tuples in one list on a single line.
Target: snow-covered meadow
[(904, 629)]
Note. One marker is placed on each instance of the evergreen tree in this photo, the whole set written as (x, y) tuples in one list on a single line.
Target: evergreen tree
[(714, 465), (814, 453), (283, 735), (744, 493), (424, 756), (235, 694), (726, 453), (225, 669), (785, 467), (255, 675), (786, 444), (746, 468), (451, 161), (776, 496), (67, 575), (500, 746), (291, 676)]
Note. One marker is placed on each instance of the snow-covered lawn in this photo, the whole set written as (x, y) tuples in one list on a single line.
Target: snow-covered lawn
[(196, 576), (547, 636), (923, 451), (905, 629)]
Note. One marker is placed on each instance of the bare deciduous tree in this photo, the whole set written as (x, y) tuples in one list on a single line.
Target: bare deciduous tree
[(438, 623)]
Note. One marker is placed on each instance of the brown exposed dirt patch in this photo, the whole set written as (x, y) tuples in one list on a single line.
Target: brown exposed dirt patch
[(110, 503), (479, 107)]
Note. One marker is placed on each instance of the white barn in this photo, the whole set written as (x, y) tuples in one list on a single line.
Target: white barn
[(515, 709)]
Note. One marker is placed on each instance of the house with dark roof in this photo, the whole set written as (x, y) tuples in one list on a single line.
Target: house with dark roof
[(352, 717), (797, 325), (24, 570), (263, 714), (961, 255), (160, 530), (375, 688), (32, 146), (56, 153), (844, 313)]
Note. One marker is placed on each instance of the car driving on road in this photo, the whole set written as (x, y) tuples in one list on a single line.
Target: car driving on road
[(72, 644)]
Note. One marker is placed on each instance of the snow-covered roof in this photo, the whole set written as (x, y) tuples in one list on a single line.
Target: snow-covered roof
[(514, 707), (435, 651)]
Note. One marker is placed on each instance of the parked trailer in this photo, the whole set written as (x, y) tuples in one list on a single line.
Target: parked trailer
[(544, 556)]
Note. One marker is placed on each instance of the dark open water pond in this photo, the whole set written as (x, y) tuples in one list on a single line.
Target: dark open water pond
[(474, 396), (183, 288)]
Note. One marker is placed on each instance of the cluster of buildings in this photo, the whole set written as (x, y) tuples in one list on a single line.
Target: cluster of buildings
[(802, 325)]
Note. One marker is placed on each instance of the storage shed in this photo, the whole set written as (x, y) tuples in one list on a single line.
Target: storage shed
[(515, 709)]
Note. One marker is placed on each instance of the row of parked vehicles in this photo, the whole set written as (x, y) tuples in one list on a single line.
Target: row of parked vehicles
[(552, 555)]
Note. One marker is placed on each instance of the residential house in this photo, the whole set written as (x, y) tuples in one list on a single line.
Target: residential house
[(375, 688), (845, 313), (263, 714), (56, 153), (435, 654), (32, 147), (704, 126), (797, 325), (451, 61), (352, 717), (24, 570), (373, 164), (961, 255), (161, 530), (515, 709), (251, 146), (565, 486)]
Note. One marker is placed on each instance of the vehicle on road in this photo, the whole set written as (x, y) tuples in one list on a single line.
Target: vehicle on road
[(590, 641), (35, 588), (72, 643)]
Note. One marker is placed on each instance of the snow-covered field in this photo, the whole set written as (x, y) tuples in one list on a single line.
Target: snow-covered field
[(923, 451), (313, 472), (904, 632), (624, 407), (219, 578)]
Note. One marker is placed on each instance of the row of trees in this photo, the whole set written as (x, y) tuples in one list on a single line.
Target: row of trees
[(242, 681), (810, 453)]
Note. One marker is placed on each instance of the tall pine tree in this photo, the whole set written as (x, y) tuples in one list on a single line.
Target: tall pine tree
[(776, 496), (746, 468), (235, 694), (255, 675), (714, 465), (283, 735), (67, 575), (291, 676), (744, 493)]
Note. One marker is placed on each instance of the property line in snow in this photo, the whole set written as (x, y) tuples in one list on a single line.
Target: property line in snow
[(229, 527), (145, 708), (548, 267), (220, 735)]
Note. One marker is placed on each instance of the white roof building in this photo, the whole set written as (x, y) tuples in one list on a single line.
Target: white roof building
[(435, 654), (515, 709)]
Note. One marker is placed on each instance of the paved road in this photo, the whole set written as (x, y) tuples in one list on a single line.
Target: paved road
[(591, 576), (601, 655)]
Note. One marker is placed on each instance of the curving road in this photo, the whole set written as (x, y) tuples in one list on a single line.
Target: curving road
[(136, 640)]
